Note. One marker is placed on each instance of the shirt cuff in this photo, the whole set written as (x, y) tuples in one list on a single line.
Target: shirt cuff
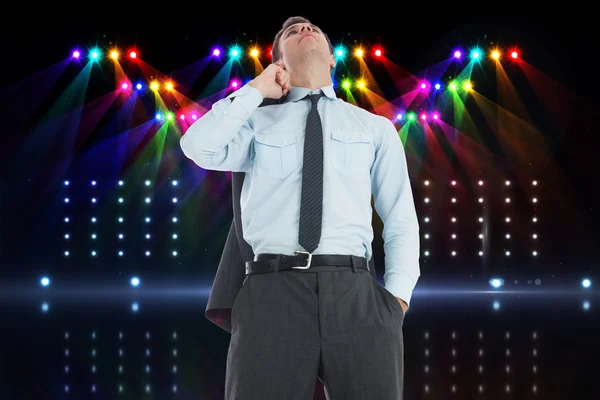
[(400, 286), (248, 97)]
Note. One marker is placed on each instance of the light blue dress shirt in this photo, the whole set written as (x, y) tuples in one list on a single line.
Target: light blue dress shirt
[(363, 156)]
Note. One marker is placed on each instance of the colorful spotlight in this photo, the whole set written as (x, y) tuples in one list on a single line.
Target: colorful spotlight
[(76, 54), (124, 86), (436, 116), (235, 84), (95, 54), (424, 85), (235, 52), (424, 117), (170, 116), (399, 117), (154, 85), (254, 52), (216, 52), (138, 86), (438, 86), (159, 116), (476, 54), (495, 54), (114, 54), (378, 52), (457, 54), (468, 86), (514, 54), (411, 116), (169, 85), (359, 52), (339, 52), (346, 84), (133, 54), (361, 84), (452, 86), (182, 117)]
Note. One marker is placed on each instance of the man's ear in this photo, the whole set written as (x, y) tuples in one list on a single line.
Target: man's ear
[(331, 61)]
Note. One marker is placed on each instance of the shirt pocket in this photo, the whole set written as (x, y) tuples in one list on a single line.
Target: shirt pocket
[(352, 152), (276, 155)]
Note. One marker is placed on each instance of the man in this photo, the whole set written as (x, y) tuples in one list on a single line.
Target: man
[(309, 306)]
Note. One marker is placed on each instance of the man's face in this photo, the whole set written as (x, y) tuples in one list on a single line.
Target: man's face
[(303, 40)]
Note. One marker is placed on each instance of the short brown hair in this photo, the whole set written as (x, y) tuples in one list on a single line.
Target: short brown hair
[(289, 22)]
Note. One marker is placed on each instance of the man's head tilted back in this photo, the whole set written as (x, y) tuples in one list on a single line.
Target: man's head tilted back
[(292, 48)]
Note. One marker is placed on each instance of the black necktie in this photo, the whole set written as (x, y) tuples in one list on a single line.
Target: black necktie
[(311, 202)]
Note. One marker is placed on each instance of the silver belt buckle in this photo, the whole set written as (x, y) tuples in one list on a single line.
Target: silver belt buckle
[(307, 266)]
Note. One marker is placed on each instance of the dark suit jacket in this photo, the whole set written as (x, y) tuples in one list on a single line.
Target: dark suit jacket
[(232, 267)]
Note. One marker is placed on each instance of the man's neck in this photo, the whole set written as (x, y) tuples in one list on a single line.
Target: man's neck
[(310, 76)]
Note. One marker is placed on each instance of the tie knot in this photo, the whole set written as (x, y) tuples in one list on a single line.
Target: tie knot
[(314, 98)]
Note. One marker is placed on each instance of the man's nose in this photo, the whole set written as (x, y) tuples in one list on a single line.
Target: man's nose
[(305, 27)]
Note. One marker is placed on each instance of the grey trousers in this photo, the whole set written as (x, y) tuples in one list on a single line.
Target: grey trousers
[(291, 328)]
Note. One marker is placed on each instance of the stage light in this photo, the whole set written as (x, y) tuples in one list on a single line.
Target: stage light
[(114, 54), (436, 116), (76, 53), (45, 281), (154, 85), (138, 86), (475, 54), (586, 283), (424, 117), (216, 52), (182, 117), (468, 86), (132, 54), (457, 54), (158, 116), (452, 86), (359, 52), (423, 85), (254, 52), (170, 116), (411, 116), (438, 86), (194, 117), (378, 52), (235, 84), (361, 84), (495, 54), (169, 85), (496, 282), (514, 55), (399, 117), (95, 54), (339, 52), (346, 84), (235, 52), (124, 85)]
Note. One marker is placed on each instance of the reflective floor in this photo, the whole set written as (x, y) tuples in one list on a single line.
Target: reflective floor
[(104, 344)]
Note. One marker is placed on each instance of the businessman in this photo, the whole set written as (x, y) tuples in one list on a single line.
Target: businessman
[(296, 286)]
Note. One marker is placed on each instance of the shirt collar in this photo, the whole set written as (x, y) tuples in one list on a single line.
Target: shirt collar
[(298, 93)]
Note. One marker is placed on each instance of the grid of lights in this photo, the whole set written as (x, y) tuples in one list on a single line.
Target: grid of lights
[(120, 220), (121, 353), (481, 200)]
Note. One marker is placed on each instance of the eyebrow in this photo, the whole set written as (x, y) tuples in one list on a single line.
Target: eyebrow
[(295, 25)]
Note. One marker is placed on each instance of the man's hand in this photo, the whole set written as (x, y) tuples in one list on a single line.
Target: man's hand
[(402, 304), (273, 82)]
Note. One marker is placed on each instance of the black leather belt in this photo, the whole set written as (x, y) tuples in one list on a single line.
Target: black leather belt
[(302, 260)]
